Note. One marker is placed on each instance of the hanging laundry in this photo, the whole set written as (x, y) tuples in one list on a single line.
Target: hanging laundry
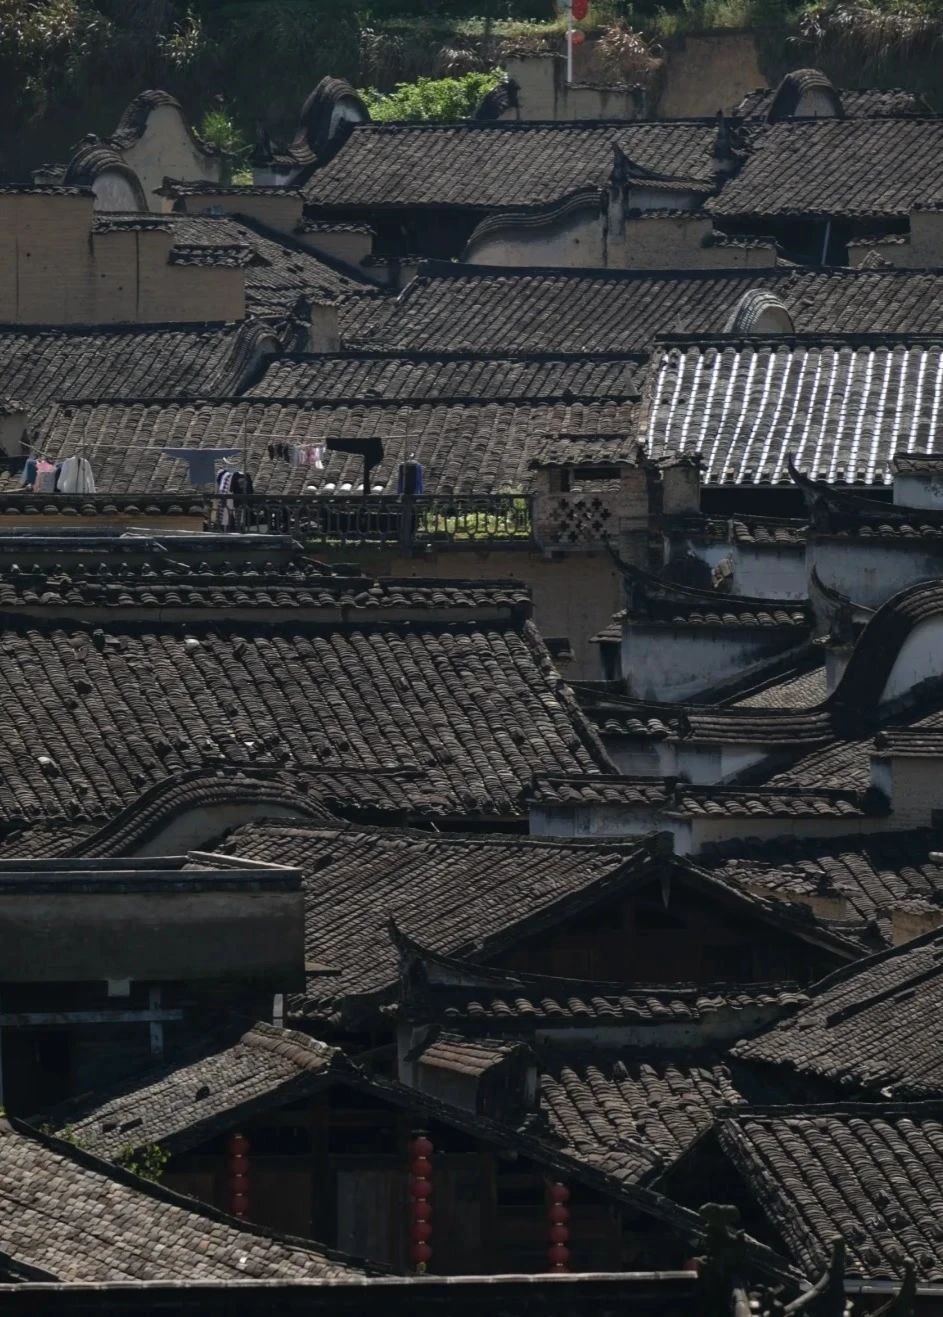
[(76, 477), (411, 477), (201, 462), (44, 480), (232, 483), (298, 454)]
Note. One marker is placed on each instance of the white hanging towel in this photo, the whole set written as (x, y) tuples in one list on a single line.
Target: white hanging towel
[(76, 477)]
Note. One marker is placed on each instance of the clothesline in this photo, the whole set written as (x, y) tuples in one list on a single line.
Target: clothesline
[(159, 447)]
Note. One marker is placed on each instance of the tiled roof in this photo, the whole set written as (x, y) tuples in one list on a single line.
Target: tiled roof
[(466, 1056), (867, 1173), (845, 761), (922, 463), (840, 407), (871, 874), (767, 802), (632, 1114), (874, 1026), (841, 167), (406, 378), (521, 1001), (355, 882), (281, 270), (184, 1104), (487, 165), (497, 311), (796, 690), (66, 1216), (679, 799), (465, 448), (43, 189), (301, 587), (127, 361), (475, 706), (767, 532), (870, 103), (653, 600)]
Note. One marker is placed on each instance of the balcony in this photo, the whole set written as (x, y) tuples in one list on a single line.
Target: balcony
[(462, 521)]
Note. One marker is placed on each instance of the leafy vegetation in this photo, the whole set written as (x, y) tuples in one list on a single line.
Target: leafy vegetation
[(70, 66), (148, 1162), (437, 99)]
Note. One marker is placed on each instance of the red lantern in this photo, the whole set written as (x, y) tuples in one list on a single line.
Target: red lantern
[(577, 37), (420, 1191), (558, 1214), (239, 1165), (580, 9), (240, 1204), (238, 1145), (239, 1184)]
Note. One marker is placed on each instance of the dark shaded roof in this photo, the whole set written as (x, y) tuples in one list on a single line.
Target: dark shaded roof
[(545, 1152), (867, 103), (629, 1113), (867, 1173), (874, 1026), (843, 167), (872, 875), (355, 882), (463, 693), (840, 405), (420, 376), (477, 998), (465, 448), (183, 1104), (486, 165), (127, 361), (495, 310), (65, 1215)]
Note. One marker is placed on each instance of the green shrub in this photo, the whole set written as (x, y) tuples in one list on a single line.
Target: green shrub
[(441, 100)]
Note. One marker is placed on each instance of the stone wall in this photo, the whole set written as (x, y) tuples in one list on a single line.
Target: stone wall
[(709, 72), (54, 270), (543, 93)]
